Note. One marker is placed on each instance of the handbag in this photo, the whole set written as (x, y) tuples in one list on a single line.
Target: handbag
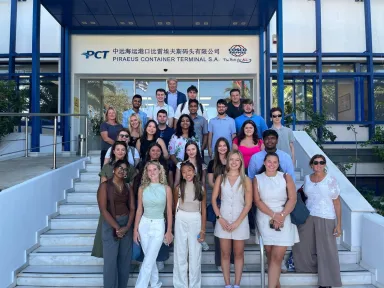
[(211, 216), (300, 213)]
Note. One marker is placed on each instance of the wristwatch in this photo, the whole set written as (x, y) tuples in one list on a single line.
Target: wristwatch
[(218, 217)]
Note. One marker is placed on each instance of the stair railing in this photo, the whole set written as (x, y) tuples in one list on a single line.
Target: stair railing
[(54, 115), (261, 244)]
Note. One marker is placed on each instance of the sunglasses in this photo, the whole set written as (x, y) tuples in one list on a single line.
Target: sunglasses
[(123, 169), (124, 136), (318, 162), (277, 116)]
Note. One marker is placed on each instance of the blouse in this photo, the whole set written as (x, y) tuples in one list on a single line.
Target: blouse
[(154, 201), (248, 152), (177, 146), (321, 195)]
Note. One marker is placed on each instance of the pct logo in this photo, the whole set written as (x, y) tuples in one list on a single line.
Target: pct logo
[(96, 54)]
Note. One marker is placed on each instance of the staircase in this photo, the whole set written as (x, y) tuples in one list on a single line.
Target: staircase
[(64, 259)]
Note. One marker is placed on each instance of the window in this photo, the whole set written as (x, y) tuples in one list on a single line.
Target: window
[(147, 89), (378, 90), (335, 68), (296, 68), (212, 90), (339, 99)]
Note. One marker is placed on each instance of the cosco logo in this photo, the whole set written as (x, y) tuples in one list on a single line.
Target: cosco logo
[(237, 50), (96, 54)]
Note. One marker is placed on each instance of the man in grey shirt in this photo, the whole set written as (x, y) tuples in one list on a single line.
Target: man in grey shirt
[(201, 124), (286, 137)]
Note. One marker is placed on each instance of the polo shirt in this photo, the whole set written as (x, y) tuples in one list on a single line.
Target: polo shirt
[(166, 135), (257, 161), (286, 137), (201, 127), (258, 120), (221, 127), (178, 111), (233, 111), (128, 113), (152, 111)]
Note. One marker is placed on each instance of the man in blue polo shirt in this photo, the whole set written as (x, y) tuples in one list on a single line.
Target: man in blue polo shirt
[(220, 126), (249, 115), (136, 104), (270, 138)]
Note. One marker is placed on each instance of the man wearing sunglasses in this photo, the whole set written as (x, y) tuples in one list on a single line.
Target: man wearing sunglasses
[(286, 138)]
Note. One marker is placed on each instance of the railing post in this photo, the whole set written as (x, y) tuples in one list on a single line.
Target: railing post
[(86, 136), (54, 141), (26, 136), (262, 262)]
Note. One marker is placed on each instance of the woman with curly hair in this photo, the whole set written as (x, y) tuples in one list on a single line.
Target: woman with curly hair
[(154, 197), (248, 142), (185, 131)]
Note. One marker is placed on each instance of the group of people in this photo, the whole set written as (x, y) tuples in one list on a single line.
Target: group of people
[(153, 192)]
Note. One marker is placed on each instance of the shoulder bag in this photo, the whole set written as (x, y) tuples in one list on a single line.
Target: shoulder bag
[(300, 213)]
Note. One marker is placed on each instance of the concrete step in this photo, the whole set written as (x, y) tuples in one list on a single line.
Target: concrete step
[(91, 276), (84, 197), (79, 208), (90, 176), (205, 286), (93, 168), (81, 255), (87, 186)]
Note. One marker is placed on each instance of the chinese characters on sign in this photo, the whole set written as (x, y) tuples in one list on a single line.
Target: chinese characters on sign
[(165, 51)]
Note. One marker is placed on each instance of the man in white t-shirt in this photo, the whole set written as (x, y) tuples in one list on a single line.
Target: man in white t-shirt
[(152, 110), (183, 108)]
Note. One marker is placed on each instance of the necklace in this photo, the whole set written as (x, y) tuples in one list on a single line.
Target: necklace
[(318, 179), (120, 187)]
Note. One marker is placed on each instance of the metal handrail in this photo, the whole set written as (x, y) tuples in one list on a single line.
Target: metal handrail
[(261, 244), (54, 115)]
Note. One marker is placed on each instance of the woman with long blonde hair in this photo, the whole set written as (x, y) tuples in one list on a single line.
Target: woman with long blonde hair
[(135, 128), (154, 197), (109, 130), (233, 227)]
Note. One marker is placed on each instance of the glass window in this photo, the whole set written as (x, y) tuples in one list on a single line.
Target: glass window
[(102, 94), (183, 85), (339, 99), (147, 89), (378, 68), (378, 90), (295, 68), (212, 90), (334, 68)]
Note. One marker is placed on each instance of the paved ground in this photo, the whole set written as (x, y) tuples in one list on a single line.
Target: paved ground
[(18, 170)]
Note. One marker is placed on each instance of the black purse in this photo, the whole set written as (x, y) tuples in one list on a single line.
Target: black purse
[(300, 213)]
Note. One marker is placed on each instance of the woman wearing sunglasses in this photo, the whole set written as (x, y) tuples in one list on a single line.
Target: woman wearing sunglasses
[(317, 250), (132, 153)]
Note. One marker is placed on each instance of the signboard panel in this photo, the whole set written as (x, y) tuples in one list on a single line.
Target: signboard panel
[(100, 54)]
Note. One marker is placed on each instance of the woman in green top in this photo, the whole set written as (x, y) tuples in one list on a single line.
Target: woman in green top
[(119, 152)]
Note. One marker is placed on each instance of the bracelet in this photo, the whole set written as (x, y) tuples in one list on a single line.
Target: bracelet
[(202, 231)]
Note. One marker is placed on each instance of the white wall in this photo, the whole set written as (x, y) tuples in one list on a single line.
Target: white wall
[(377, 12), (5, 16), (50, 37), (33, 201), (372, 246), (343, 26), (299, 26)]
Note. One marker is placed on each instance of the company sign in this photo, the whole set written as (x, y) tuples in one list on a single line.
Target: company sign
[(95, 54)]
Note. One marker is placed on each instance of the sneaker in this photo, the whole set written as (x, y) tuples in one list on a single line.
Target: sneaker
[(160, 265), (219, 268), (232, 268), (284, 268)]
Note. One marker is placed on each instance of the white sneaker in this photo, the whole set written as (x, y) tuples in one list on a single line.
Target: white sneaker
[(284, 268), (219, 268), (160, 265)]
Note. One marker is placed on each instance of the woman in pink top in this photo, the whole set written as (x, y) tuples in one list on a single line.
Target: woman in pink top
[(248, 142)]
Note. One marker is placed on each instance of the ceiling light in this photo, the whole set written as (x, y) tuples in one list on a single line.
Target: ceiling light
[(205, 23), (93, 22), (234, 23), (130, 23), (243, 23), (159, 23), (122, 22), (197, 23), (84, 22), (168, 23)]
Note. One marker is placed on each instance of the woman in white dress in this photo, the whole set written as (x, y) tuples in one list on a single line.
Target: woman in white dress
[(236, 201), (274, 194)]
